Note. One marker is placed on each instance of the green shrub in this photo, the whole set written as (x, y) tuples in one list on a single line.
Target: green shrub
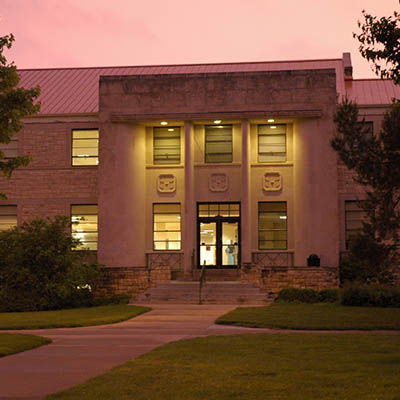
[(363, 295), (39, 269), (308, 295)]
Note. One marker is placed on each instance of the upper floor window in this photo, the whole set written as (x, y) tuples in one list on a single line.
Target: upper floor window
[(272, 143), (84, 226), (167, 145), (354, 217), (85, 147), (10, 150), (218, 143), (8, 217), (272, 225), (167, 226)]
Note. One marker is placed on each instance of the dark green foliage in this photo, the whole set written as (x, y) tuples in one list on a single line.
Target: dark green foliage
[(380, 44), (308, 295), (39, 269), (15, 104), (364, 295)]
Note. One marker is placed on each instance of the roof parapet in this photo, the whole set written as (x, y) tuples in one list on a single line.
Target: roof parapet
[(347, 67)]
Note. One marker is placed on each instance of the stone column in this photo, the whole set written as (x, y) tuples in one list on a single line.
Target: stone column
[(245, 205), (122, 183), (189, 222)]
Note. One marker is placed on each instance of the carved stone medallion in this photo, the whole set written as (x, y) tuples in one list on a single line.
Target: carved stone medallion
[(166, 183), (218, 183), (272, 181)]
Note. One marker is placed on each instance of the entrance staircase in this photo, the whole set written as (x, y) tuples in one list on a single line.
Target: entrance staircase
[(221, 292)]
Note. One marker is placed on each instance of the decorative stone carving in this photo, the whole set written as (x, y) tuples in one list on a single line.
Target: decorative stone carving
[(218, 183), (166, 183), (272, 181)]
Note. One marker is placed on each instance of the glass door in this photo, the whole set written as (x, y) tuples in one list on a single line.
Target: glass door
[(230, 243), (208, 243)]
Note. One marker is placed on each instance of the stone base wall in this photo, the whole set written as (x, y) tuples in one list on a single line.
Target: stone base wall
[(273, 279), (130, 280)]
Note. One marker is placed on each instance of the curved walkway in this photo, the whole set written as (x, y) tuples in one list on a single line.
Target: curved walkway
[(77, 354)]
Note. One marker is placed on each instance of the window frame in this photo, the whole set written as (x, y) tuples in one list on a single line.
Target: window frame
[(82, 215), (206, 154), (3, 206), (154, 241), (273, 230), (348, 231), (77, 157), (265, 154), (176, 161), (6, 147)]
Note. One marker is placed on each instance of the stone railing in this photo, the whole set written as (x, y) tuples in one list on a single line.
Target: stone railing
[(273, 259)]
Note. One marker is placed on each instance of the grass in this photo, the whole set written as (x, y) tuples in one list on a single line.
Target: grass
[(70, 318), (256, 366), (319, 316), (11, 343)]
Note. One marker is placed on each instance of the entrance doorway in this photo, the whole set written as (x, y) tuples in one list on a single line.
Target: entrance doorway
[(218, 235)]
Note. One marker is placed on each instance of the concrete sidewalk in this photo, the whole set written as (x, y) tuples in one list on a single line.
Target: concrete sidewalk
[(77, 354)]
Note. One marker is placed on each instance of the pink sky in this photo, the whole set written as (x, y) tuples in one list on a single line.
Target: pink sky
[(79, 33)]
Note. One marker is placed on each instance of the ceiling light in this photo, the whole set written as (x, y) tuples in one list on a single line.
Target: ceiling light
[(217, 121), (163, 123), (273, 127), (170, 129), (271, 120)]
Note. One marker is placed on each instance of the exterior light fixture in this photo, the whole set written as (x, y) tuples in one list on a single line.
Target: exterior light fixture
[(163, 123), (217, 121), (271, 120)]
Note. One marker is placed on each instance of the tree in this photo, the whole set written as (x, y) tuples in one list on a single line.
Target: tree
[(380, 44), (15, 104)]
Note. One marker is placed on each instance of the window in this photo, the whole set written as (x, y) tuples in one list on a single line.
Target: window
[(8, 217), (85, 147), (167, 145), (167, 226), (354, 217), (10, 150), (84, 226), (272, 225), (271, 143), (218, 210), (218, 143)]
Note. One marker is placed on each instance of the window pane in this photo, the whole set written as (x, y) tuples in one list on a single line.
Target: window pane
[(8, 217), (166, 226), (271, 143), (218, 147), (85, 147), (272, 225), (167, 145), (84, 226), (354, 217), (10, 150)]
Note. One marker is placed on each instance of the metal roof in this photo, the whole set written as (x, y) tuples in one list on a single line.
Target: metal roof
[(75, 90), (372, 91)]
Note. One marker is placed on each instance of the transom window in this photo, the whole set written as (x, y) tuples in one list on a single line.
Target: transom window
[(85, 147), (167, 145), (10, 150), (272, 225), (272, 143), (84, 220), (218, 147), (218, 210), (354, 217), (8, 217), (167, 226)]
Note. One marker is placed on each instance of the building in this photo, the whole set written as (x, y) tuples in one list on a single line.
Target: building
[(168, 168)]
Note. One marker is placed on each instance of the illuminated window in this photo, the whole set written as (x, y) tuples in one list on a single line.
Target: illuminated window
[(354, 217), (167, 226), (8, 217), (167, 145), (271, 143), (84, 226), (218, 143), (10, 150), (272, 225), (85, 147)]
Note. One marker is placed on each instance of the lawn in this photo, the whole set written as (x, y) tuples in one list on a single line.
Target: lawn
[(70, 318), (256, 366), (11, 343), (319, 316)]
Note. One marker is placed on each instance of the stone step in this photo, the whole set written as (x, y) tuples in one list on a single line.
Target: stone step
[(226, 292)]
